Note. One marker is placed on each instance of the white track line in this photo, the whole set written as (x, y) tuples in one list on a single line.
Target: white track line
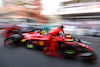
[(86, 42)]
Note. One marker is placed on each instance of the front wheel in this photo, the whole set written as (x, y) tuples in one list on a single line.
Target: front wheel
[(70, 51)]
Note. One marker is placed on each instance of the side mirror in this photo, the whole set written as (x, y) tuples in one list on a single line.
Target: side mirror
[(78, 40)]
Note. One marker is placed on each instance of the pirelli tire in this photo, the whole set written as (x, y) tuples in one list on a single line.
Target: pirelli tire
[(13, 39), (9, 41), (70, 52)]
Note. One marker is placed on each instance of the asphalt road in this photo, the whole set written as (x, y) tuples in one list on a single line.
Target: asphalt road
[(22, 57)]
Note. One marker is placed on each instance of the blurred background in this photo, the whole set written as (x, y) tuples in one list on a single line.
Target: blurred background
[(80, 17)]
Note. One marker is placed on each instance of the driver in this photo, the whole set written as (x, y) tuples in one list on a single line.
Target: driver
[(51, 48), (57, 31)]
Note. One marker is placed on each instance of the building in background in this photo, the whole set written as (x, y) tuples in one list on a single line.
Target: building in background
[(22, 9), (1, 3), (32, 4), (80, 17), (79, 10), (36, 5)]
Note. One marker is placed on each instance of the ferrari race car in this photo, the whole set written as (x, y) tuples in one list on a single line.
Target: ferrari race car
[(68, 46), (9, 30)]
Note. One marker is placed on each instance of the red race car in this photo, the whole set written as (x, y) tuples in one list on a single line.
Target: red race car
[(66, 45)]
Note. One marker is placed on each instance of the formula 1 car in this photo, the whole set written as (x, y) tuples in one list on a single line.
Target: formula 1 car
[(9, 30), (68, 46)]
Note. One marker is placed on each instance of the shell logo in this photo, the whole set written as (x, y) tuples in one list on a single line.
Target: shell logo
[(41, 43)]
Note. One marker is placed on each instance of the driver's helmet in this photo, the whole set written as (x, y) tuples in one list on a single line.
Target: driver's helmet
[(61, 27), (43, 31), (68, 35)]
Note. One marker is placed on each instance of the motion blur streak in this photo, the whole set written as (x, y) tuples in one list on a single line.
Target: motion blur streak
[(25, 40)]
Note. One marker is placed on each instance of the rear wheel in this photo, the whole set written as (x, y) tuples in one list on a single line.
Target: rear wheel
[(29, 46), (9, 41), (38, 47)]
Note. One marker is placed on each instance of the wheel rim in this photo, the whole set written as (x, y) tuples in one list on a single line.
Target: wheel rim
[(29, 46), (9, 41), (69, 51)]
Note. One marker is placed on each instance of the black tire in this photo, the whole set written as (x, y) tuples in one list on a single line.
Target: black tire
[(8, 41), (69, 55), (17, 40), (38, 47)]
